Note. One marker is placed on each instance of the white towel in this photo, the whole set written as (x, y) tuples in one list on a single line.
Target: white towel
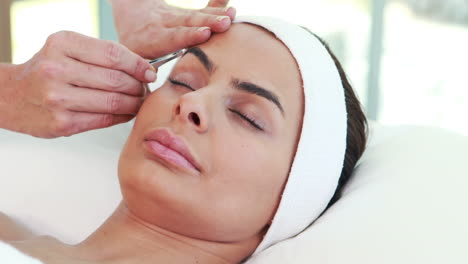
[(320, 154)]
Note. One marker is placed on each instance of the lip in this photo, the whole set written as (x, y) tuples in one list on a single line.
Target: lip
[(170, 148)]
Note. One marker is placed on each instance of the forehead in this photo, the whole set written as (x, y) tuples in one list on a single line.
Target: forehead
[(253, 54)]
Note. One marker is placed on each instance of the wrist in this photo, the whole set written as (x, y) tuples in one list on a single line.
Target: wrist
[(121, 7), (7, 85), (118, 6), (133, 2), (116, 3)]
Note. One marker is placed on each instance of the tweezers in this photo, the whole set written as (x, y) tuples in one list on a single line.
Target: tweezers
[(162, 60)]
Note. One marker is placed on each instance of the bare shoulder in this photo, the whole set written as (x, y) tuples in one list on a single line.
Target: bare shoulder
[(11, 231), (24, 240), (47, 249)]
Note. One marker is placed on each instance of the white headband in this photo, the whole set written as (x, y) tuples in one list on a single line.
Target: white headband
[(320, 154)]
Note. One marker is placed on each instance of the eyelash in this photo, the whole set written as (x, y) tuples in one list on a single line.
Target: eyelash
[(250, 120), (245, 117), (174, 82)]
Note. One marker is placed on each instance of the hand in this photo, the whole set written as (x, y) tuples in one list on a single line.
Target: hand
[(74, 84), (152, 28)]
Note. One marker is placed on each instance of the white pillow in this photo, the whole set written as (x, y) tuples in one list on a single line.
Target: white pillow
[(404, 204), (62, 187)]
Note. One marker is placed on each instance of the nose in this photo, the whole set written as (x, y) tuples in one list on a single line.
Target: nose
[(190, 110)]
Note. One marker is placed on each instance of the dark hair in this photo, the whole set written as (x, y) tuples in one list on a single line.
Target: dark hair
[(356, 137)]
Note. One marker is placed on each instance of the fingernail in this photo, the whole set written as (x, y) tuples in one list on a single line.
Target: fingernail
[(152, 68), (150, 75), (206, 31), (230, 11), (221, 18), (203, 28)]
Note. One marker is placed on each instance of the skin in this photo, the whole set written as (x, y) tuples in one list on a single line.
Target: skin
[(73, 84), (77, 83), (219, 213), (152, 28)]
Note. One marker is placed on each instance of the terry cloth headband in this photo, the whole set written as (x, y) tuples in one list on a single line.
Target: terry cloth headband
[(320, 154)]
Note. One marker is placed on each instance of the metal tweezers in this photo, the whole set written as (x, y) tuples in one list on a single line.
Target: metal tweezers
[(162, 60)]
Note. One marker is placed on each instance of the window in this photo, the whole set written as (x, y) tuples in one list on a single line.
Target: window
[(32, 21), (423, 79)]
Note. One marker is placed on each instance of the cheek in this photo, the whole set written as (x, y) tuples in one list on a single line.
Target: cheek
[(155, 111), (157, 106), (247, 183)]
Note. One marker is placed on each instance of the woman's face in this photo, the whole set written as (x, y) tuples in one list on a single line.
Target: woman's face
[(236, 104)]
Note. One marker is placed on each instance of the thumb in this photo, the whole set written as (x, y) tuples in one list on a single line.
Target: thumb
[(218, 3)]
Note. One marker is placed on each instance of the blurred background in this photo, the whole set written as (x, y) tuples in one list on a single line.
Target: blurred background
[(405, 58)]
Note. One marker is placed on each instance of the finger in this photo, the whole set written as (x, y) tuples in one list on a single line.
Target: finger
[(195, 18), (102, 102), (230, 12), (90, 76), (218, 3), (89, 121), (183, 37), (104, 53)]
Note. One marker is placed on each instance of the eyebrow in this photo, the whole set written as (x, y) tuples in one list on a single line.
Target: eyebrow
[(257, 90), (201, 55), (236, 83)]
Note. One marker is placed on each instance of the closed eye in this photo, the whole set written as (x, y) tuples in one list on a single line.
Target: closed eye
[(250, 120), (174, 82)]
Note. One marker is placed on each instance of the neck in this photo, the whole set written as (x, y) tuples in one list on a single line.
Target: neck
[(125, 236)]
